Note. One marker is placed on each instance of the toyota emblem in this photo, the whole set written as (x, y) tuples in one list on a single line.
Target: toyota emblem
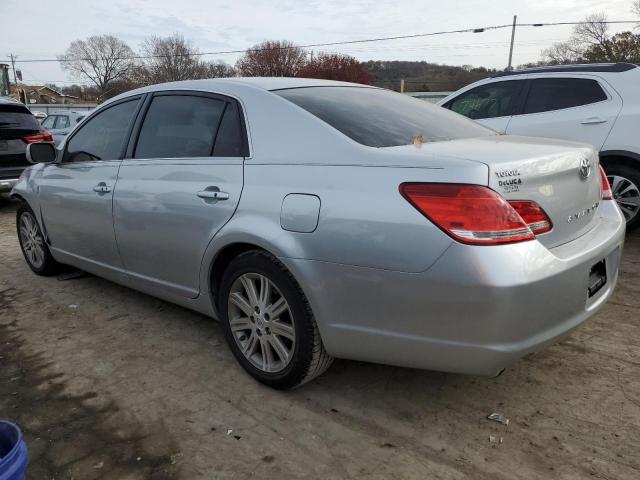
[(585, 168)]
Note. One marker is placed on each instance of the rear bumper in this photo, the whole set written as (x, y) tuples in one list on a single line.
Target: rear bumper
[(476, 310), (6, 184)]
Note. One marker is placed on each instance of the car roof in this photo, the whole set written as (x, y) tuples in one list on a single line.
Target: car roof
[(70, 112), (15, 104), (236, 83), (592, 67), (281, 83), (10, 101)]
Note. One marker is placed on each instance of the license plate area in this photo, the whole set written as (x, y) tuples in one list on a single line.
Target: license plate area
[(597, 278)]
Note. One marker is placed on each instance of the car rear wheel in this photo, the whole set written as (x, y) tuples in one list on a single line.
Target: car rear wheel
[(268, 322), (625, 186), (33, 245)]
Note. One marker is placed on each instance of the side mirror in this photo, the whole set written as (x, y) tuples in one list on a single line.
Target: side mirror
[(41, 153)]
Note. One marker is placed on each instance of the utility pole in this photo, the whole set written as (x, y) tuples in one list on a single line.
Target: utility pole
[(513, 36), (13, 66)]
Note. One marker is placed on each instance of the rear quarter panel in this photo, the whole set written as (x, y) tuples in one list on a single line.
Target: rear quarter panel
[(363, 219)]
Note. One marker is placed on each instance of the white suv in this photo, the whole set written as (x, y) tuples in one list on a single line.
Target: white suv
[(597, 104)]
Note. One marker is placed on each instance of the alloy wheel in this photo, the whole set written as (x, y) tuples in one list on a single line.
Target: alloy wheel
[(627, 194), (261, 322), (31, 240)]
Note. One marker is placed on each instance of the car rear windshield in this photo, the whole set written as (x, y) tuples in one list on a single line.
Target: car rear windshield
[(17, 117), (382, 118)]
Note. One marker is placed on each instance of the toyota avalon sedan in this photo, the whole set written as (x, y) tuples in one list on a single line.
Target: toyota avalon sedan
[(320, 219)]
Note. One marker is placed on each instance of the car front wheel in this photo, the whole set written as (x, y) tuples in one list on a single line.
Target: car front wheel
[(268, 322), (33, 245)]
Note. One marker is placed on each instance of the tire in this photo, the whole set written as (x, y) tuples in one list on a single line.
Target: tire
[(283, 350), (625, 185), (33, 245)]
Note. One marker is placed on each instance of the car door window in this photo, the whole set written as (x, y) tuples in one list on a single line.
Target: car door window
[(496, 99), (49, 122), (62, 122), (180, 126), (102, 136), (548, 94)]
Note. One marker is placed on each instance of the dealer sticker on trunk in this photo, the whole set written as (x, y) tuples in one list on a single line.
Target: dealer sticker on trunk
[(509, 180)]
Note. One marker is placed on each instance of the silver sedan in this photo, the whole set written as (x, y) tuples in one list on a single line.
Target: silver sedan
[(321, 219)]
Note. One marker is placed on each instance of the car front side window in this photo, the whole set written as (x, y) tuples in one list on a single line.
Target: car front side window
[(49, 122), (102, 137), (492, 100), (62, 122)]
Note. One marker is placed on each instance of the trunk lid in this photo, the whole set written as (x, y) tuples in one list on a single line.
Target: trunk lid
[(563, 180), (547, 172)]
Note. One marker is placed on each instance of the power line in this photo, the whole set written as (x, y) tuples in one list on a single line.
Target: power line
[(345, 42)]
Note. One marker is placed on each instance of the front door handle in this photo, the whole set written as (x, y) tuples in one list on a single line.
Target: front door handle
[(593, 121), (102, 187), (213, 193)]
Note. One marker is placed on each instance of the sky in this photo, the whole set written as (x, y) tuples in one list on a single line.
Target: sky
[(232, 25)]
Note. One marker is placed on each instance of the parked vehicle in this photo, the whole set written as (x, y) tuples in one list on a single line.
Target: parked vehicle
[(597, 104), (61, 123), (322, 219), (18, 128)]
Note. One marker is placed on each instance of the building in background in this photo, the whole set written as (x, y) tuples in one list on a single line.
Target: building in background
[(30, 94)]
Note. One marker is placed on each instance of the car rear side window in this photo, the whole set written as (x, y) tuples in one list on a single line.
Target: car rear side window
[(16, 120), (492, 100), (230, 138), (102, 136), (183, 126), (381, 118), (548, 94)]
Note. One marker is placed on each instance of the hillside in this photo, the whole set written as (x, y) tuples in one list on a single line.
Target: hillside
[(423, 76)]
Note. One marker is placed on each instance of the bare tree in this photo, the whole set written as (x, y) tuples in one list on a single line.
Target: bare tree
[(101, 59), (562, 53), (169, 59), (220, 70), (172, 58), (636, 7), (272, 59), (591, 33)]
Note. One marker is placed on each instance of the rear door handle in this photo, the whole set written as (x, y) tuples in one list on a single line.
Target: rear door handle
[(213, 193), (102, 187), (593, 121)]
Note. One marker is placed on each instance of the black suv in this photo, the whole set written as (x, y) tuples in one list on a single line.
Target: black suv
[(18, 128)]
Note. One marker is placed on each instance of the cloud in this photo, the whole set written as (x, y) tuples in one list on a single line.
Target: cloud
[(222, 25)]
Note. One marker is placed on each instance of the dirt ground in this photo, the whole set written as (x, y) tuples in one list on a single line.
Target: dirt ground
[(110, 383)]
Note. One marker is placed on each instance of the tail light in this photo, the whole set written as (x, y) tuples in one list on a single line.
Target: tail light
[(43, 136), (533, 215), (607, 194), (471, 214)]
